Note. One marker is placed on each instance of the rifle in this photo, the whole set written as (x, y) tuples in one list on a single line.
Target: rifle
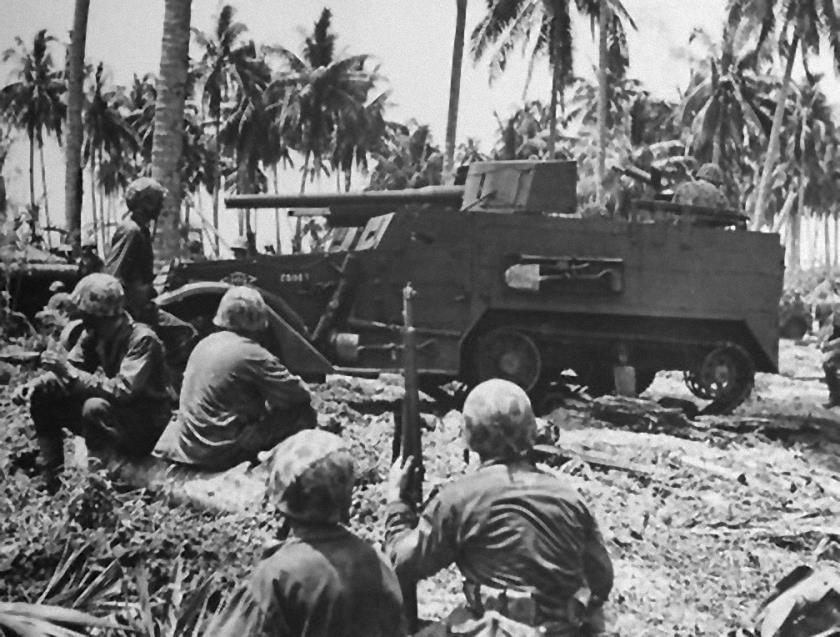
[(407, 440)]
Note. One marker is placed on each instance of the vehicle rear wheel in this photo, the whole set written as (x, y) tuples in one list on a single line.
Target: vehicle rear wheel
[(726, 374), (509, 354)]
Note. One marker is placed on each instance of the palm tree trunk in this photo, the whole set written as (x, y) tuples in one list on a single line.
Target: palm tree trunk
[(603, 17), (297, 240), (717, 146), (46, 200), (773, 144), (93, 199), (103, 225), (552, 108), (276, 212), (217, 185), (75, 134), (32, 173), (796, 227), (455, 87), (167, 144), (827, 244)]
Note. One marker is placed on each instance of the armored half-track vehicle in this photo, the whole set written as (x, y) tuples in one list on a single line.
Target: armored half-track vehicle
[(512, 282)]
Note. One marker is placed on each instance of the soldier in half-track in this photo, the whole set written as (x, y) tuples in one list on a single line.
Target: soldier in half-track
[(705, 190)]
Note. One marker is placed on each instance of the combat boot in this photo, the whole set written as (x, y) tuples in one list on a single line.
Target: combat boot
[(52, 454)]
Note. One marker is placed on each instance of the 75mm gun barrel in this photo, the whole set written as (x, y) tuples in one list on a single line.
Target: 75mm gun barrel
[(441, 195)]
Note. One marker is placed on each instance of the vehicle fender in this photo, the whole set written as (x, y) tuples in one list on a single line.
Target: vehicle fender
[(300, 356)]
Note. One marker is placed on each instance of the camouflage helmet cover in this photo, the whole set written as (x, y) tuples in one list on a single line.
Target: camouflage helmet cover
[(144, 191), (310, 477), (242, 309), (99, 294), (711, 173), (498, 420)]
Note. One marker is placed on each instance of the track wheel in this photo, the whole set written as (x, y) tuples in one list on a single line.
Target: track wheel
[(509, 354), (725, 375)]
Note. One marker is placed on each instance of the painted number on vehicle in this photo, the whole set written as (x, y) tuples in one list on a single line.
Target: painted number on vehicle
[(294, 277)]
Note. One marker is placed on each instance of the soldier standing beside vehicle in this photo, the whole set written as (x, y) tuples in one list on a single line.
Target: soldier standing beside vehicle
[(321, 581), (127, 408), (706, 190), (131, 257), (526, 544), (131, 261), (237, 399)]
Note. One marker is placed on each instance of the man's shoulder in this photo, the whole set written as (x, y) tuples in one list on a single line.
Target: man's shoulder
[(233, 344), (498, 479), (127, 227)]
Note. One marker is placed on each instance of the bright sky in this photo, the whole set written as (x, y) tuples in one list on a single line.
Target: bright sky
[(411, 39)]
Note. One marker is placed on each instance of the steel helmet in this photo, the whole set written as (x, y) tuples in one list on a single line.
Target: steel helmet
[(711, 173), (144, 192), (311, 477), (242, 309), (498, 420), (99, 294)]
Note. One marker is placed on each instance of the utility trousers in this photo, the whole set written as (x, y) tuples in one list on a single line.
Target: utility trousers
[(131, 428)]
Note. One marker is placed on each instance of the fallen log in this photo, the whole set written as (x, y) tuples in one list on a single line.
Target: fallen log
[(638, 414), (605, 461)]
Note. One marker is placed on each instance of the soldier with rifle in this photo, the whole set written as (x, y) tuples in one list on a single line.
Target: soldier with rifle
[(529, 549)]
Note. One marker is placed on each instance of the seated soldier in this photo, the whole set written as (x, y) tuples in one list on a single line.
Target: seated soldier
[(526, 544), (706, 190), (237, 399), (126, 408), (322, 581)]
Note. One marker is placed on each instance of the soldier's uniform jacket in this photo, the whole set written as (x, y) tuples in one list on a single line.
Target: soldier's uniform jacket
[(131, 260), (322, 582), (230, 382), (506, 526), (133, 362), (701, 193)]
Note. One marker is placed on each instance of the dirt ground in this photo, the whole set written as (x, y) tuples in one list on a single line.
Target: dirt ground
[(719, 517), (714, 514)]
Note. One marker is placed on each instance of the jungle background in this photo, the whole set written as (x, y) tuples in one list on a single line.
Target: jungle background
[(710, 514)]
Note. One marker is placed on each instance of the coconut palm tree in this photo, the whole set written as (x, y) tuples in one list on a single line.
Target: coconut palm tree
[(248, 127), (810, 146), (33, 101), (802, 24), (543, 28), (358, 133), (322, 89), (109, 140), (221, 50), (725, 107), (455, 84), (168, 141), (75, 131)]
